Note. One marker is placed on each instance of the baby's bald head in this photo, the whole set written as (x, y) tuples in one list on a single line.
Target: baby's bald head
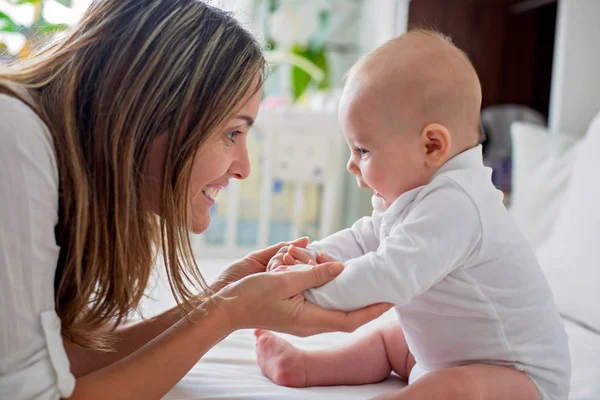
[(418, 79)]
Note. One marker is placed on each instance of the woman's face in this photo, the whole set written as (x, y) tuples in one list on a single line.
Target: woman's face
[(222, 158)]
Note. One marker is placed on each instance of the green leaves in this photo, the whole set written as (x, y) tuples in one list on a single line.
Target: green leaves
[(66, 3), (7, 24), (320, 36), (47, 28), (315, 53), (42, 28), (300, 78), (308, 62), (39, 28), (19, 2), (272, 6)]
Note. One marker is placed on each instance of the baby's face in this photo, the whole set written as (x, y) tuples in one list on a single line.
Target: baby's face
[(383, 159)]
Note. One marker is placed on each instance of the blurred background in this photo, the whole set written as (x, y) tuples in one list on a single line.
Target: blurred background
[(536, 59)]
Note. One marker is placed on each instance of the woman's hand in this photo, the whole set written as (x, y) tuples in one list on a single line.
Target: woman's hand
[(253, 263), (274, 301), (297, 255), (292, 255)]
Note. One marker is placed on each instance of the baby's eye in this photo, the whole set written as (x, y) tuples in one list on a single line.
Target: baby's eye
[(361, 151), (232, 135)]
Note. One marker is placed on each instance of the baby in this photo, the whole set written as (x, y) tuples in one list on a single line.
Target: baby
[(476, 316)]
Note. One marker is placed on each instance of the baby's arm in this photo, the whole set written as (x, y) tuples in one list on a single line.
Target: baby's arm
[(340, 246), (418, 253), (350, 243)]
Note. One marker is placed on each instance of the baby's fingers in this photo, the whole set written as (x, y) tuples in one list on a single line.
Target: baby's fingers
[(275, 262), (300, 254), (288, 259)]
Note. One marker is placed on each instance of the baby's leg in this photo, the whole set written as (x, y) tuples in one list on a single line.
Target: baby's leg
[(369, 360), (469, 382)]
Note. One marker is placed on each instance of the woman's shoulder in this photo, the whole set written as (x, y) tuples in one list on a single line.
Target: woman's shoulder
[(22, 132), (16, 113)]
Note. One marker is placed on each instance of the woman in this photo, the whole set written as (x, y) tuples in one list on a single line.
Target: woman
[(114, 143)]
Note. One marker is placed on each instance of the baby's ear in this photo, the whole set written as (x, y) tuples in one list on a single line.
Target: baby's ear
[(437, 141)]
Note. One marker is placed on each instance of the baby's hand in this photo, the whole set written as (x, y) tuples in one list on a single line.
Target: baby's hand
[(293, 255), (298, 255), (277, 260)]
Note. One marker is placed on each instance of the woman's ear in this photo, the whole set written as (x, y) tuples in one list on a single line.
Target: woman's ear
[(436, 141)]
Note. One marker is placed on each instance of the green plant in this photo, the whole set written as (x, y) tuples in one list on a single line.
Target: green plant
[(38, 30), (305, 52), (315, 53)]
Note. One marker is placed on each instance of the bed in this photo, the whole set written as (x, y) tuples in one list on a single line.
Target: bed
[(556, 202), (229, 370)]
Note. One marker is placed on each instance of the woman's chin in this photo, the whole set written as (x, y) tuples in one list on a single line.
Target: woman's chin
[(200, 224)]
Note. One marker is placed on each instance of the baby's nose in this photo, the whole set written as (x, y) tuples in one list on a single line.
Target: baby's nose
[(352, 167)]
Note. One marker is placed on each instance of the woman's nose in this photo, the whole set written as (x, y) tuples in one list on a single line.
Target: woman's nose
[(240, 168)]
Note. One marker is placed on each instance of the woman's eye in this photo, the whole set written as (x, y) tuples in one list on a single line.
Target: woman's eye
[(232, 135)]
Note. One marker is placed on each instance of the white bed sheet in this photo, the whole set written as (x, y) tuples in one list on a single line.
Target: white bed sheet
[(229, 370), (585, 359)]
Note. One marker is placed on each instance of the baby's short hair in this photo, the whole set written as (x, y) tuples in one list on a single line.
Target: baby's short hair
[(429, 32), (433, 32)]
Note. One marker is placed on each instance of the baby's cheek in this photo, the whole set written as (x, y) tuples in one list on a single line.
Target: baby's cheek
[(376, 181)]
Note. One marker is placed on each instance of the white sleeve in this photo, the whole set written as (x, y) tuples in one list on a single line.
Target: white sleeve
[(32, 356), (436, 237), (350, 243)]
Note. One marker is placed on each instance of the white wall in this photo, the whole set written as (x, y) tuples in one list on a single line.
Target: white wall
[(381, 21), (575, 96)]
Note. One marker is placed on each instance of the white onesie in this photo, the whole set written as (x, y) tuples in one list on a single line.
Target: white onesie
[(465, 283)]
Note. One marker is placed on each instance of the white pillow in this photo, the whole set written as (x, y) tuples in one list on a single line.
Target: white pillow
[(541, 165), (571, 256)]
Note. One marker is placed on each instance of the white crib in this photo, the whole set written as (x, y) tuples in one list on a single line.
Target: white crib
[(301, 151)]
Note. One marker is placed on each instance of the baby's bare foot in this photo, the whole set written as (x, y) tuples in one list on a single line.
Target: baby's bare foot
[(280, 361)]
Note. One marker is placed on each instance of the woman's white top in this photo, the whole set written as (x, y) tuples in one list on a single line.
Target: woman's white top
[(33, 362)]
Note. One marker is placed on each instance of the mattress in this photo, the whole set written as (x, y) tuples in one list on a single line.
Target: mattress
[(229, 370)]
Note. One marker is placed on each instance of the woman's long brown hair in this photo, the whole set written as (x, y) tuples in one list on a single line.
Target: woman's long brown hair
[(129, 71)]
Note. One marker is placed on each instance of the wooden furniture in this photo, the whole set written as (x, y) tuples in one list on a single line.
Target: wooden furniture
[(510, 42)]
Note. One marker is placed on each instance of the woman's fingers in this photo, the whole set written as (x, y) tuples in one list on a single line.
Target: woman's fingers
[(300, 242), (301, 279), (328, 321), (263, 256), (323, 258), (274, 301)]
